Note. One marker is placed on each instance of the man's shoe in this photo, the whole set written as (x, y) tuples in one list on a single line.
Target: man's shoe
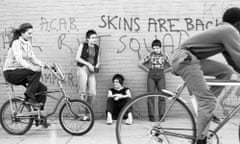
[(44, 123), (202, 141)]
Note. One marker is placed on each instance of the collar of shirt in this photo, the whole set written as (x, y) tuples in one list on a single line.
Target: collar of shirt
[(25, 44)]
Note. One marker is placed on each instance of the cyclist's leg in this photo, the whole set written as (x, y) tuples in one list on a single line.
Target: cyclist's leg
[(217, 70), (151, 86), (33, 80), (82, 78), (17, 77), (188, 67), (24, 77), (193, 76), (41, 98)]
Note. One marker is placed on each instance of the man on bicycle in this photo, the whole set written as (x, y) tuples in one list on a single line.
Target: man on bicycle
[(191, 63)]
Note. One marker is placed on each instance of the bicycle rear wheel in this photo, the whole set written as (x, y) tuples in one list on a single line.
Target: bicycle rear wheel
[(76, 117), (176, 127), (10, 122)]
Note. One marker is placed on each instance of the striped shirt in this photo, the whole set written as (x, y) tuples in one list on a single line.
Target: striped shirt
[(19, 56), (157, 61)]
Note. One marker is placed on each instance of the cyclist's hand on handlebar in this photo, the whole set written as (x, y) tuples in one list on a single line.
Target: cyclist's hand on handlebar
[(45, 66), (36, 68)]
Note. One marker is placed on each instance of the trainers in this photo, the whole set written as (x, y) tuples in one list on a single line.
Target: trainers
[(128, 121), (109, 118), (44, 123), (85, 118), (202, 141), (109, 121)]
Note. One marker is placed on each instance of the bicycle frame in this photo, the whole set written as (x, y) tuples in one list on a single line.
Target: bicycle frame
[(210, 82), (234, 110), (60, 79)]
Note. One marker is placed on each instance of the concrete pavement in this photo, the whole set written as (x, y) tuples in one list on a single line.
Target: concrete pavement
[(100, 134)]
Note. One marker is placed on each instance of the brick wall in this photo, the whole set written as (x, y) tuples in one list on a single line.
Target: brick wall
[(126, 29)]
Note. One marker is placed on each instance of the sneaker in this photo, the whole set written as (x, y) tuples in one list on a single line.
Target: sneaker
[(44, 123), (129, 120), (109, 118), (109, 121), (202, 141), (86, 118)]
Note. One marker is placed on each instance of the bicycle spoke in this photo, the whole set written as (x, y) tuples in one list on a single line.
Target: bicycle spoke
[(76, 117), (172, 129)]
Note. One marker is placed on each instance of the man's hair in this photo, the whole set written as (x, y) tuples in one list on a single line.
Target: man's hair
[(156, 42), (119, 77), (231, 15), (89, 33)]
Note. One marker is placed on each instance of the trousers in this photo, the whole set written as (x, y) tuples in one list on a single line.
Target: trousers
[(155, 83), (29, 79), (192, 71)]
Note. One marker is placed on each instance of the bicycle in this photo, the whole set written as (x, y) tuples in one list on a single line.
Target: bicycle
[(178, 124), (17, 115)]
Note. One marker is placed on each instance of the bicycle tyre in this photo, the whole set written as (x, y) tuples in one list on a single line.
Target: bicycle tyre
[(173, 129), (73, 121), (239, 133), (10, 123)]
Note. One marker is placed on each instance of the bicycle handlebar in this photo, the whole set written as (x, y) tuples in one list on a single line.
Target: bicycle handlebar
[(57, 71)]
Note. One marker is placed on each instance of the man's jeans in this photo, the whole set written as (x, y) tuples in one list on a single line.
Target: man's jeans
[(192, 70)]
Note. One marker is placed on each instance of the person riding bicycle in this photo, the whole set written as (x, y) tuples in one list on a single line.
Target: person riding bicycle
[(22, 67), (191, 62)]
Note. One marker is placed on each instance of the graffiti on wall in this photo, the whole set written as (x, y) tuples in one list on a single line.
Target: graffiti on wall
[(172, 31)]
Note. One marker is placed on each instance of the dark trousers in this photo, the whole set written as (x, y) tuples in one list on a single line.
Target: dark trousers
[(30, 80), (155, 84), (114, 107)]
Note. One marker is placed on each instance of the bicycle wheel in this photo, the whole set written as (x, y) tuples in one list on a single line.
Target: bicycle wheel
[(10, 122), (177, 126), (76, 117)]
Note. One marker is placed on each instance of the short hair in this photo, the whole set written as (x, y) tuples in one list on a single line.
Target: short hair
[(119, 77), (156, 42), (231, 15), (89, 33)]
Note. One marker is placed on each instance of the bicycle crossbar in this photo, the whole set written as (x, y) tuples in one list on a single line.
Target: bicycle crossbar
[(216, 82)]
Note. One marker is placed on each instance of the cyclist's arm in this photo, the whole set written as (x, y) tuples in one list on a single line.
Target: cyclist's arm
[(231, 41)]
